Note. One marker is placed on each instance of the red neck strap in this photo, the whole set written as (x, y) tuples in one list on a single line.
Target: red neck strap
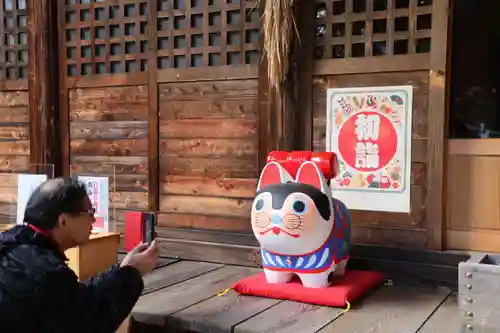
[(49, 237), (40, 231)]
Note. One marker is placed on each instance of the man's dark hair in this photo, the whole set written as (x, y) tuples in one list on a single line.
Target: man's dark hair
[(53, 198)]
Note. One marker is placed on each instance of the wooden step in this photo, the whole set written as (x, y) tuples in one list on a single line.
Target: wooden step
[(183, 297)]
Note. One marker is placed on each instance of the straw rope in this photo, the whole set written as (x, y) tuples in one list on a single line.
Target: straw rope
[(278, 29)]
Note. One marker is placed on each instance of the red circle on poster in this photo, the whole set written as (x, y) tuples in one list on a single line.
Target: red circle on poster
[(376, 145)]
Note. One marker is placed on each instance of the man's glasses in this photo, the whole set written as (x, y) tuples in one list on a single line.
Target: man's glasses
[(90, 212)]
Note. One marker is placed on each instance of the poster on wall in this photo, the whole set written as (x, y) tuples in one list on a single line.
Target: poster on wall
[(370, 131), (26, 184), (98, 192)]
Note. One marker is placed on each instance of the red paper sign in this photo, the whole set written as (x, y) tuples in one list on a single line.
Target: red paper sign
[(367, 141), (369, 128)]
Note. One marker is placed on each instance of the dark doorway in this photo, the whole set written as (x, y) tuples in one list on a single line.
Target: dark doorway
[(475, 70)]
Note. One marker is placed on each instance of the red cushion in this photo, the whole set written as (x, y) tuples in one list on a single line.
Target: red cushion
[(345, 288)]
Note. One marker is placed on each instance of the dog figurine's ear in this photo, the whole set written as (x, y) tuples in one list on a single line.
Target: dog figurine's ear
[(273, 173), (310, 173)]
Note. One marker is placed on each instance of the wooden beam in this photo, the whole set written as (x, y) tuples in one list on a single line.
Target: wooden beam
[(287, 111), (264, 113), (107, 80), (64, 121), (43, 84), (214, 73), (384, 64), (473, 147), (435, 218), (266, 107), (153, 118), (304, 67)]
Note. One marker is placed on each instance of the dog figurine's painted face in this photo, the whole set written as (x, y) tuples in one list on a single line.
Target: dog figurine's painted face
[(292, 217)]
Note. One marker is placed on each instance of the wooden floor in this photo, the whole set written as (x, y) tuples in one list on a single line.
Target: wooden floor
[(182, 296)]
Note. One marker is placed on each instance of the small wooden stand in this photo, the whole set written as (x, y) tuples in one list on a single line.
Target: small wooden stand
[(5, 227), (94, 257)]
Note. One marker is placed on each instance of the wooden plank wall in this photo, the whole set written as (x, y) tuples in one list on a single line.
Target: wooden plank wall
[(14, 149), (405, 230), (473, 212), (208, 153), (14, 100), (105, 96), (165, 94), (109, 137), (167, 97), (472, 168), (400, 47), (208, 160)]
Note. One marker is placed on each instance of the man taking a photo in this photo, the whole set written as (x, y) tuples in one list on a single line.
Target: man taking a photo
[(39, 293)]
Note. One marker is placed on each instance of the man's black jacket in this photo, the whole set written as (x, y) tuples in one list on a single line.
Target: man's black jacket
[(40, 294)]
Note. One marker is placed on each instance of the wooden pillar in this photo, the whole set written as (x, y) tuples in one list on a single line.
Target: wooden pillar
[(304, 57), (277, 116), (43, 83), (438, 90), (266, 116), (153, 117), (282, 119)]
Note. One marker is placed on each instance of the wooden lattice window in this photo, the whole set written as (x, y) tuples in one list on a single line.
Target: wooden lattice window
[(365, 28), (195, 33), (106, 36), (14, 40)]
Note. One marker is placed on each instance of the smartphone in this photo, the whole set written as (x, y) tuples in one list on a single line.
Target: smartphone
[(148, 227)]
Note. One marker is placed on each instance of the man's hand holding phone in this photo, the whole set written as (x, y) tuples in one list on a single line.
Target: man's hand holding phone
[(143, 257)]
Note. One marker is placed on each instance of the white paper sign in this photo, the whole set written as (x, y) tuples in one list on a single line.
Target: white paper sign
[(370, 131), (26, 184), (98, 191)]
